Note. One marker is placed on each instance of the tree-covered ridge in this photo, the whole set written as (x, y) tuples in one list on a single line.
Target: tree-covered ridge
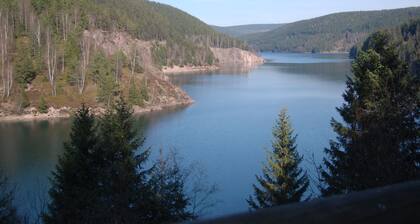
[(141, 18), (242, 30), (51, 54), (335, 32)]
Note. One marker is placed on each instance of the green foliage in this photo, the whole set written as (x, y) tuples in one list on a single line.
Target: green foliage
[(159, 55), (339, 31), (74, 194), (72, 54), (101, 72), (282, 181), (24, 66), (168, 181), (8, 213), (126, 193), (102, 176), (378, 142), (408, 40), (353, 52), (134, 97), (23, 101), (144, 92), (42, 106)]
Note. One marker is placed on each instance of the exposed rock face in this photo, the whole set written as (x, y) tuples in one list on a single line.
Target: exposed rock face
[(234, 57), (161, 91), (112, 42)]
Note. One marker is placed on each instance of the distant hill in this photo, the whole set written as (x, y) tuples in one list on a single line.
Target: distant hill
[(237, 31), (332, 33)]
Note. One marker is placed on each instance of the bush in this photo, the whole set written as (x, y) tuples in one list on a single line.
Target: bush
[(42, 106)]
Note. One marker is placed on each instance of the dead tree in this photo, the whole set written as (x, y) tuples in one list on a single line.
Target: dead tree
[(6, 34), (133, 61), (51, 62)]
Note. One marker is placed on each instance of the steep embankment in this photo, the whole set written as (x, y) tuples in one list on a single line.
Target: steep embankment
[(332, 33), (59, 54)]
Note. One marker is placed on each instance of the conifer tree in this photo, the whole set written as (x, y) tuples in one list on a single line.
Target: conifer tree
[(378, 142), (74, 194), (8, 213), (282, 181), (126, 195)]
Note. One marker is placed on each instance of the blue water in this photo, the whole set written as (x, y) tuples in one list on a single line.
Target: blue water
[(227, 130)]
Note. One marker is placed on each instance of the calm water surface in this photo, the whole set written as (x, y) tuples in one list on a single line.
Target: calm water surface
[(227, 130)]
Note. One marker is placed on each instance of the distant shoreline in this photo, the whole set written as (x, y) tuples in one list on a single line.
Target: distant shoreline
[(295, 52), (189, 69)]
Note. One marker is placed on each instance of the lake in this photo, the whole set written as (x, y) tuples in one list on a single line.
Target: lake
[(227, 130)]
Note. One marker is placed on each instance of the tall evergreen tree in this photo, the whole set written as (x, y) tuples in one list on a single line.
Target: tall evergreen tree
[(282, 181), (74, 194), (378, 143), (126, 194), (8, 213)]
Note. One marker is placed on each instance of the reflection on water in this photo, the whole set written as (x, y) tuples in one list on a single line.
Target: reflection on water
[(227, 129)]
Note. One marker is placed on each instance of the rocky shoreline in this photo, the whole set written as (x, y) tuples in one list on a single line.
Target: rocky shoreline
[(232, 57), (188, 69), (66, 112)]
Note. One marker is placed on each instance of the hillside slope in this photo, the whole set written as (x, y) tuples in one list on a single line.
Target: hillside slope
[(242, 30), (332, 33), (58, 54)]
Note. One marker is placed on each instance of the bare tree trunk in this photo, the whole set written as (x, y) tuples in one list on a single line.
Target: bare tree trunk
[(85, 62), (38, 33), (117, 68), (3, 78), (51, 63), (133, 62), (6, 68)]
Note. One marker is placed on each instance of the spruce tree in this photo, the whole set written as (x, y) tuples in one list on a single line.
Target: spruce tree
[(282, 181), (378, 141), (124, 187), (73, 193)]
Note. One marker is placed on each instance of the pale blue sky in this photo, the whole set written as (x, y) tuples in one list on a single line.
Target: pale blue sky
[(237, 12)]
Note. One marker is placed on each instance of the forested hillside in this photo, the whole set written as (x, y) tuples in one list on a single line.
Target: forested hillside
[(406, 39), (332, 33), (60, 53), (238, 31)]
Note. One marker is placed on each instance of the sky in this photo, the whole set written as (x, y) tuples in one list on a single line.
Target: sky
[(239, 12)]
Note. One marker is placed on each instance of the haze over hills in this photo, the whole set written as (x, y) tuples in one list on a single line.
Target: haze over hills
[(331, 33), (241, 30)]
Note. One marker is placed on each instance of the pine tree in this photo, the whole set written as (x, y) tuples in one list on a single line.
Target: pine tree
[(126, 195), (74, 194), (8, 213), (378, 142), (282, 181)]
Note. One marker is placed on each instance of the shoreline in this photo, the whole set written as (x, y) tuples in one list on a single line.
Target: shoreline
[(189, 69), (65, 112)]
